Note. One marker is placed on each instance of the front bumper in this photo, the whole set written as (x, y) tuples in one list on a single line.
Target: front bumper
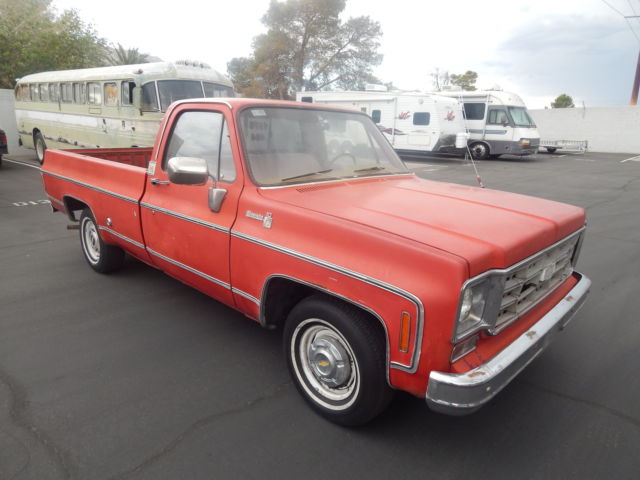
[(460, 394)]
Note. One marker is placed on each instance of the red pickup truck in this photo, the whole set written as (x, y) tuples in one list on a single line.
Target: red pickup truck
[(303, 217)]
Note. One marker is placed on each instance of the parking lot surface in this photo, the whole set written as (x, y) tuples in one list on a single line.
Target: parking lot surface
[(135, 375)]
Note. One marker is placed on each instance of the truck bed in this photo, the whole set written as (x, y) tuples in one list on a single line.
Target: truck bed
[(138, 157)]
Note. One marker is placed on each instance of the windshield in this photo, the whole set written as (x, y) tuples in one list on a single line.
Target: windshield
[(521, 117), (173, 90), (294, 145)]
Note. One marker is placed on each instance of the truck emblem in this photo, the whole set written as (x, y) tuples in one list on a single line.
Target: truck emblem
[(266, 219)]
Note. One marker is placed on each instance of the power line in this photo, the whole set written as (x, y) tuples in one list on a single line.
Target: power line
[(626, 19)]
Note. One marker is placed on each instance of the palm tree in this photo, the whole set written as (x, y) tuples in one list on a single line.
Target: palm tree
[(126, 56)]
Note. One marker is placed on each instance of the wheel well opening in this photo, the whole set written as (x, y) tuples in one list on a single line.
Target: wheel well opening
[(73, 205), (282, 294)]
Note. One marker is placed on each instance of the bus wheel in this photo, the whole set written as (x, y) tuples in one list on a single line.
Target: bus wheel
[(41, 147), (480, 151)]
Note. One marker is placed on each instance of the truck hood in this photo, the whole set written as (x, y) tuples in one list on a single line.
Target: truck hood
[(488, 228)]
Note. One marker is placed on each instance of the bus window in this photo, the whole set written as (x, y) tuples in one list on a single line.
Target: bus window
[(149, 102), (111, 94), (95, 93), (215, 90), (66, 92), (23, 93), (127, 92), (44, 92), (53, 92), (173, 90), (33, 88), (79, 93)]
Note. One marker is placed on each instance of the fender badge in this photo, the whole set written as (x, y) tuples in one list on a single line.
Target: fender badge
[(266, 219)]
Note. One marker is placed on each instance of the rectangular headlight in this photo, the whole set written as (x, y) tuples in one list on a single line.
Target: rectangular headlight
[(479, 305)]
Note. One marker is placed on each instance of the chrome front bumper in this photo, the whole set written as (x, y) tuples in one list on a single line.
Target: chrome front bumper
[(460, 394)]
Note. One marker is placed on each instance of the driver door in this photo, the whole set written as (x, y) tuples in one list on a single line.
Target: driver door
[(184, 237)]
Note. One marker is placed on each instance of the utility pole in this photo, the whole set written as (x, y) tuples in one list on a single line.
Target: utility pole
[(636, 84)]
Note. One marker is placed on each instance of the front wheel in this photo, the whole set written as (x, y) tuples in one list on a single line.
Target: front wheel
[(103, 258), (337, 359)]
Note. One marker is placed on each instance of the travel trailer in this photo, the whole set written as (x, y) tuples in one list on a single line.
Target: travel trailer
[(412, 122), (498, 123)]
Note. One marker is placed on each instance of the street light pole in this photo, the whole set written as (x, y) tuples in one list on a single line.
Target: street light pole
[(636, 84)]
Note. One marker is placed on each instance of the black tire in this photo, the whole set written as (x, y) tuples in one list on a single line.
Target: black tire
[(337, 359), (479, 150), (40, 145), (493, 157), (103, 258), (551, 149)]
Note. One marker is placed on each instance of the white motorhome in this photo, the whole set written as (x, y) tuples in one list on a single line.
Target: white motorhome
[(412, 122), (498, 123)]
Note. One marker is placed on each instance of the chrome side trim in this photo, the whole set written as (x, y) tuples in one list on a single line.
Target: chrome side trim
[(417, 342), (91, 187), (56, 201), (189, 269), (247, 296), (187, 218), (122, 237), (333, 294), (459, 394)]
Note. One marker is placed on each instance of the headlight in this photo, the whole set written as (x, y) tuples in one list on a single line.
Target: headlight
[(477, 310), (525, 142)]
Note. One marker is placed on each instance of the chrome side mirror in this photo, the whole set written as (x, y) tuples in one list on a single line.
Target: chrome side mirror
[(187, 171)]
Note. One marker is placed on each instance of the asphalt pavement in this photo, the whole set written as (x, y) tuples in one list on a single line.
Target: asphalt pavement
[(135, 375)]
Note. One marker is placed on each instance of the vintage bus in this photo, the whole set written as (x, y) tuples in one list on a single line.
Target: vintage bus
[(119, 106)]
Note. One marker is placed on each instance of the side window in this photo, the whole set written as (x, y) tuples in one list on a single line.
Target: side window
[(79, 93), (376, 115), (421, 118), (34, 91), (149, 102), (53, 92), (44, 92), (474, 111), (94, 91), (203, 135), (307, 99), (111, 94), (127, 92), (66, 92), (498, 117)]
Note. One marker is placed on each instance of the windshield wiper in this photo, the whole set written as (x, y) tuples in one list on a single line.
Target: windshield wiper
[(374, 168), (306, 175)]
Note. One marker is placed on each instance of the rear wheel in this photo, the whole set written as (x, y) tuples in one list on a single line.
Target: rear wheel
[(551, 149), (479, 150), (40, 145), (337, 359), (103, 258)]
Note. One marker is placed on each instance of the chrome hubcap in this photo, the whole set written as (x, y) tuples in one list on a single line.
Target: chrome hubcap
[(326, 364), (91, 241)]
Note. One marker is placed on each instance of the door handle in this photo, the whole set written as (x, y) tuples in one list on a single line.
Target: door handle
[(155, 181)]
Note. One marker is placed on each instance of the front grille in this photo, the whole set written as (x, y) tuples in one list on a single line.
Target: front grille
[(531, 281)]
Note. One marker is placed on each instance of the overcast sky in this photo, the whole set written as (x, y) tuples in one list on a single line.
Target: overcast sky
[(539, 48)]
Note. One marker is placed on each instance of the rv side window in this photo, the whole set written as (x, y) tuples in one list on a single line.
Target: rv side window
[(95, 93), (498, 117), (307, 99), (80, 93), (421, 118), (44, 92), (53, 92), (111, 94), (376, 115), (474, 111), (66, 92)]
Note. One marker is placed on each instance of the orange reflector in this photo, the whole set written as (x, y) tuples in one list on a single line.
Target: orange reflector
[(405, 331)]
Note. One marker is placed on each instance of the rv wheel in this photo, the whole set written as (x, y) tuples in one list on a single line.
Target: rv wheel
[(480, 151)]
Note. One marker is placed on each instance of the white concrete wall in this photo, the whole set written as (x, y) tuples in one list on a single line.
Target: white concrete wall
[(8, 118), (607, 129)]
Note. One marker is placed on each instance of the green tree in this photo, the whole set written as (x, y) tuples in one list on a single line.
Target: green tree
[(563, 101), (126, 56), (307, 46), (466, 81), (33, 38)]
